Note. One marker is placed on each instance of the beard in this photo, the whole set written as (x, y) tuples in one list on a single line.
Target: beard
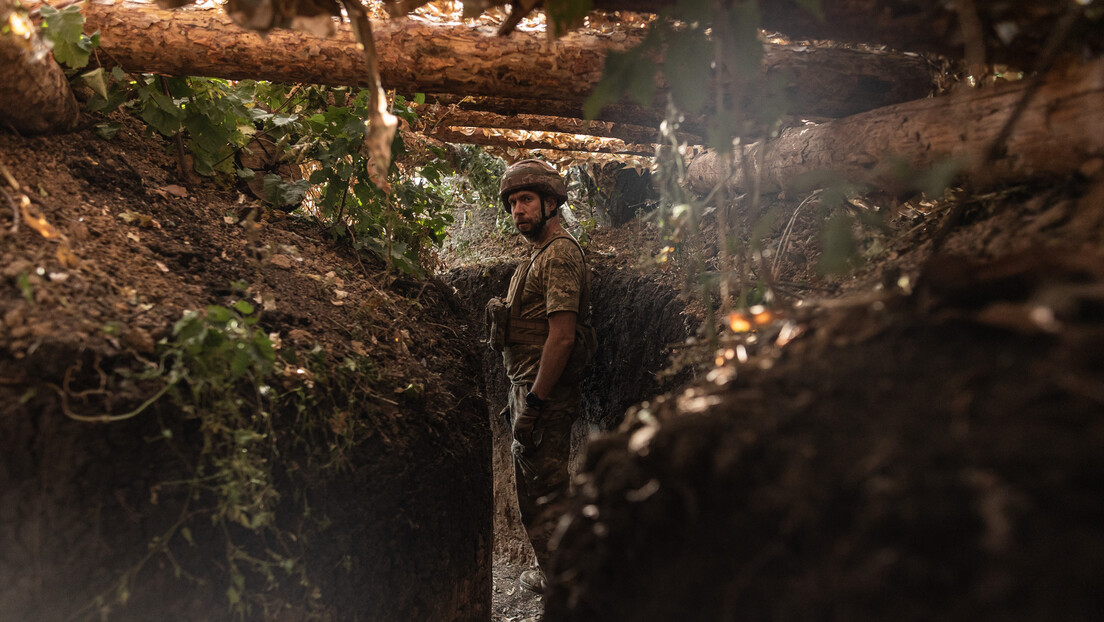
[(535, 229)]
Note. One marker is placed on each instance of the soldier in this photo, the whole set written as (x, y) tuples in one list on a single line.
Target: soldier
[(547, 343)]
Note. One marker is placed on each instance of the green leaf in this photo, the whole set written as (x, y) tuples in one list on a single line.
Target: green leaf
[(419, 98), (64, 30), (340, 95), (284, 194), (239, 364), (23, 281), (243, 307), (161, 113), (218, 315)]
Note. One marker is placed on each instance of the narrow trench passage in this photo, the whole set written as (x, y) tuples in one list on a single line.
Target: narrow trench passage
[(636, 319)]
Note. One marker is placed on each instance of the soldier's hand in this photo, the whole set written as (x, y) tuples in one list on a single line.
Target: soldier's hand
[(525, 428)]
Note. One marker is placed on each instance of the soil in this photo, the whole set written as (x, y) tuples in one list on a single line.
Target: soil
[(925, 444), (121, 249), (918, 439), (96, 270)]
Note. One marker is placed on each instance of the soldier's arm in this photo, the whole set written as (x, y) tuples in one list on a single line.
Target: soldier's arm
[(556, 352)]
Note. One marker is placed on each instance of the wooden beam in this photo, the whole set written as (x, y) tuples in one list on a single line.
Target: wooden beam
[(536, 140), (622, 112), (418, 57), (433, 115), (1059, 131)]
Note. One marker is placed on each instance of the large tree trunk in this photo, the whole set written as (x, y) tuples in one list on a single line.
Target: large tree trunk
[(1060, 130), (34, 94), (417, 57)]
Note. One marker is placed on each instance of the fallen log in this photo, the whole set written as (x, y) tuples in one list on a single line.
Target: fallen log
[(621, 112), (435, 115), (1058, 132), (34, 94), (494, 137), (418, 57)]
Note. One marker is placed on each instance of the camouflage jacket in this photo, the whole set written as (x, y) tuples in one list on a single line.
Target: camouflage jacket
[(557, 280)]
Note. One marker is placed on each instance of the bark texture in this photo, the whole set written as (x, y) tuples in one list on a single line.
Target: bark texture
[(417, 57), (435, 115), (507, 106), (1059, 131), (537, 140), (34, 95)]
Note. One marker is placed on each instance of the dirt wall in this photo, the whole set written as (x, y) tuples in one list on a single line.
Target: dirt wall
[(380, 468), (893, 468), (403, 532)]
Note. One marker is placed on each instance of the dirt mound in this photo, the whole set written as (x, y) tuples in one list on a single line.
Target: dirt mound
[(369, 443), (932, 454)]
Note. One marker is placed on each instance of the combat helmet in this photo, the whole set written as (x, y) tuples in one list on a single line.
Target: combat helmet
[(535, 175)]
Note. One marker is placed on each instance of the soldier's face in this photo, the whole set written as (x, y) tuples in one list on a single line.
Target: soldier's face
[(525, 207)]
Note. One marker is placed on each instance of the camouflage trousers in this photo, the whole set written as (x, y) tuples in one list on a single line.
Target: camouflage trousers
[(541, 471)]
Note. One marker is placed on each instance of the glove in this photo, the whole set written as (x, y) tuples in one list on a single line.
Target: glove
[(525, 428)]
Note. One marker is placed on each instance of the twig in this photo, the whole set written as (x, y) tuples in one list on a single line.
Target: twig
[(16, 187), (108, 418), (339, 325), (157, 545), (356, 251), (784, 241), (178, 138), (451, 329)]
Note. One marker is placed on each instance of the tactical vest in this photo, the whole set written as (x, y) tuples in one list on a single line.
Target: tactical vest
[(507, 327)]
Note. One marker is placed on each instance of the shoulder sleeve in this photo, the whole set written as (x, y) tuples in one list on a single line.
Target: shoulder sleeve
[(562, 277)]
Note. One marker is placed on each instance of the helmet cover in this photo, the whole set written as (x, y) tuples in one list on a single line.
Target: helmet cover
[(535, 175)]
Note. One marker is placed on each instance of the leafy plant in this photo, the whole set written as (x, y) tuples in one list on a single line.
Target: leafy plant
[(219, 361), (318, 126), (64, 31)]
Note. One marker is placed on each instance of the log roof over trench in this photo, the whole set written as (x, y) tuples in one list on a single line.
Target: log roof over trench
[(526, 90), (523, 90)]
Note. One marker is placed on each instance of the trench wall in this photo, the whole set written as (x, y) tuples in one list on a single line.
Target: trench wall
[(403, 533)]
